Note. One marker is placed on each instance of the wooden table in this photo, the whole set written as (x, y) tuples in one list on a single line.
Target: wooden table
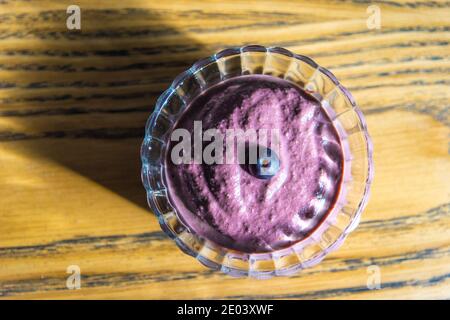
[(72, 110)]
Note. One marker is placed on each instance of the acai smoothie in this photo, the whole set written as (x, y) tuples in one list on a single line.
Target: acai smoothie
[(238, 208)]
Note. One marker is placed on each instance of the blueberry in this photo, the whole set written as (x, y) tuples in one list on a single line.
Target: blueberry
[(267, 164)]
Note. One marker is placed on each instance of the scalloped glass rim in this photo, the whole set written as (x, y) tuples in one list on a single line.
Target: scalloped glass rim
[(340, 106)]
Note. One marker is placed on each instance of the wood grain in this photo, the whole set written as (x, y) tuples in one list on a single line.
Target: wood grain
[(72, 110)]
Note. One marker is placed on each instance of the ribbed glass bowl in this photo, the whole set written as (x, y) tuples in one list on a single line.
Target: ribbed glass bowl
[(342, 110)]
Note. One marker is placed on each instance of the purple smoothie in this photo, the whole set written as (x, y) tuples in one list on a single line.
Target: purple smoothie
[(226, 203)]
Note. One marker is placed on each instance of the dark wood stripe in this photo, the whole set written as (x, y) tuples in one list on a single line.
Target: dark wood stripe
[(152, 94), (338, 292), (438, 109), (408, 44), (338, 36), (180, 47), (112, 280), (399, 85), (89, 242), (99, 133), (69, 97), (7, 85), (98, 34), (401, 72), (384, 60), (129, 279), (429, 216), (409, 4), (384, 261), (170, 61), (163, 79), (406, 222), (145, 239), (146, 32), (159, 81), (56, 111), (140, 13), (84, 84), (440, 115), (68, 68), (112, 52)]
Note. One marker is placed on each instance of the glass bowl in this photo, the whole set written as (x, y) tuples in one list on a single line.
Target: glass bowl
[(340, 107)]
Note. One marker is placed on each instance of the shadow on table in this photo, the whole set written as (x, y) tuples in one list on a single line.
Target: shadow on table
[(96, 88)]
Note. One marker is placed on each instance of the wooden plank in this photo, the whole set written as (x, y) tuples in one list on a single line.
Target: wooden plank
[(72, 109)]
